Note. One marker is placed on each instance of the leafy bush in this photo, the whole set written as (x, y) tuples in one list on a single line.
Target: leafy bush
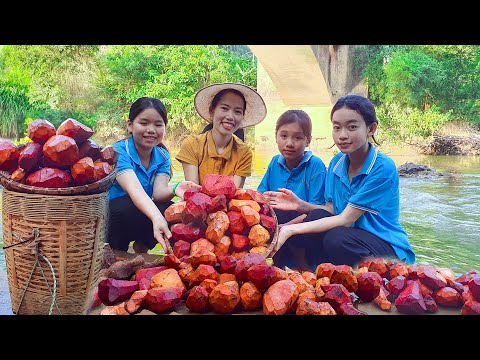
[(171, 73), (442, 80), (398, 123), (51, 82), (23, 140), (14, 105), (110, 127)]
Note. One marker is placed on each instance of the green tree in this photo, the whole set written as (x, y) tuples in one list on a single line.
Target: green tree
[(461, 91), (371, 60), (414, 79), (48, 69), (417, 88), (171, 73)]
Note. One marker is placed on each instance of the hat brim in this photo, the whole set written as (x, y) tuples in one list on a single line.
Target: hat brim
[(255, 110)]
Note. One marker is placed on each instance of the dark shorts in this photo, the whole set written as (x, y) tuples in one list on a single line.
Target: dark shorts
[(127, 223), (339, 246), (285, 216)]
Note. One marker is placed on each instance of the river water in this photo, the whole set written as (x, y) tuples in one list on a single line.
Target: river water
[(441, 216)]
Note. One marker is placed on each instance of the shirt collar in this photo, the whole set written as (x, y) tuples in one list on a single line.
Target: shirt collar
[(342, 165), (132, 150), (370, 160), (212, 150), (306, 156)]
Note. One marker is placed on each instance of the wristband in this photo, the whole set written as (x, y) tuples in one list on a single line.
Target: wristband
[(175, 188)]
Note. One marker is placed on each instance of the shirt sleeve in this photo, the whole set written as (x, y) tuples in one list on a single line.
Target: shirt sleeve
[(264, 184), (189, 151), (245, 164), (375, 193), (124, 162), (317, 185)]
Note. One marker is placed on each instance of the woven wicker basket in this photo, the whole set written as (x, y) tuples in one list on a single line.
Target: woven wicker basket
[(71, 233), (275, 234)]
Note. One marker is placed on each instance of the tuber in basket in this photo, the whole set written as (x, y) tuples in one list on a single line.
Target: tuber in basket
[(97, 187)]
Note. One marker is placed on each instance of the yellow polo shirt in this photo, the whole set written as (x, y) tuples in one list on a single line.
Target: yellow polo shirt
[(199, 150)]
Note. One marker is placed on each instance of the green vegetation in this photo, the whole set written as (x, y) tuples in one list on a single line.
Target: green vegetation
[(97, 84), (171, 73), (417, 89), (50, 82)]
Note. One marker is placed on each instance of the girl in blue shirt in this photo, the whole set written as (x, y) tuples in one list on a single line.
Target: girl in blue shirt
[(294, 171), (361, 216), (141, 193)]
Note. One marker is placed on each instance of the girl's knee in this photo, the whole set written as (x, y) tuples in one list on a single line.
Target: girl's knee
[(343, 249), (334, 239)]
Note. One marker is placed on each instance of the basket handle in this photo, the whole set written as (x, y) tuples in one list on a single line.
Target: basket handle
[(35, 235), (37, 252)]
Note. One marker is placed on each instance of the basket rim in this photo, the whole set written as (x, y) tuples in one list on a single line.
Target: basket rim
[(275, 233), (97, 187)]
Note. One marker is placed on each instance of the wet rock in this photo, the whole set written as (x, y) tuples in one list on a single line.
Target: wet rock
[(418, 170), (453, 145)]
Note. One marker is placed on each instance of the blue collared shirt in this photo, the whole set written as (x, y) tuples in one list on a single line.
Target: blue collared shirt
[(307, 180), (128, 160), (376, 191)]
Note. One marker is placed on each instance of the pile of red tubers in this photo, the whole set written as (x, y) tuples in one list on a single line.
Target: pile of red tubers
[(57, 158), (217, 220), (249, 284)]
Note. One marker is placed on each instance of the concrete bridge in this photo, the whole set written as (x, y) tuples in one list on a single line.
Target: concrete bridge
[(308, 74), (307, 77)]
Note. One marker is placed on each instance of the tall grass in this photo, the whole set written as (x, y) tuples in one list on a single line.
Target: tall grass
[(13, 107)]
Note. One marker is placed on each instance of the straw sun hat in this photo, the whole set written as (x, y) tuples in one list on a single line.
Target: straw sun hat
[(255, 110)]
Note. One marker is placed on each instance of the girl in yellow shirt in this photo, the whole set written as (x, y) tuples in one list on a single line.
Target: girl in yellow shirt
[(228, 107)]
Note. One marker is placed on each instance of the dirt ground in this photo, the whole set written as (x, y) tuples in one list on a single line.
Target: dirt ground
[(368, 308), (452, 145)]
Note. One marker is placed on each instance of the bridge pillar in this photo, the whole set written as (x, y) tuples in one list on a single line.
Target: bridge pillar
[(307, 77)]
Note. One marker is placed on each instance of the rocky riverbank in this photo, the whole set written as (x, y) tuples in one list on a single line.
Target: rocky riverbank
[(452, 145)]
